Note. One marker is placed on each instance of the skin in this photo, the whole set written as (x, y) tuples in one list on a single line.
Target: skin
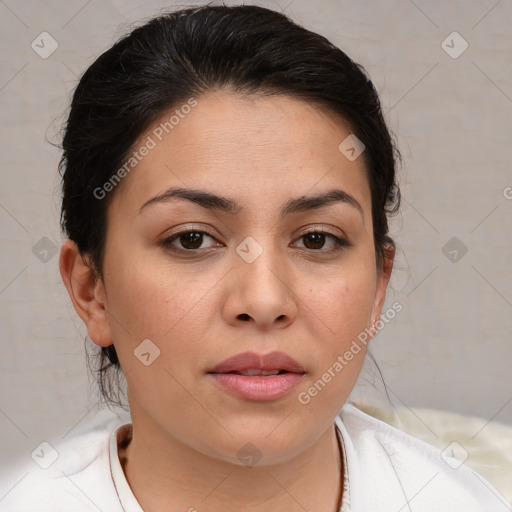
[(199, 308)]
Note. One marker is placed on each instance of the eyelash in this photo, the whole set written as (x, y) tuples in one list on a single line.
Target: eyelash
[(340, 243)]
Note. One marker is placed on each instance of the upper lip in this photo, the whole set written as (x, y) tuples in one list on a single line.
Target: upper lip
[(251, 360)]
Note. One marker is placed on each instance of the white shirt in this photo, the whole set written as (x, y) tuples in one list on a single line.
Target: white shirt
[(384, 470)]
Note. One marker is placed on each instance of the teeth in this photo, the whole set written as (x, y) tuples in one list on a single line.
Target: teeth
[(253, 372)]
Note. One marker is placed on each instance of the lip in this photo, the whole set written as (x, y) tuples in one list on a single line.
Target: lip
[(259, 388), (251, 360)]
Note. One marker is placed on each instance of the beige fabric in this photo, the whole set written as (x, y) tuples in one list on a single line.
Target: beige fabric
[(483, 445)]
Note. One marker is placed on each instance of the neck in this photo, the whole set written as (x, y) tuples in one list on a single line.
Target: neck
[(164, 473)]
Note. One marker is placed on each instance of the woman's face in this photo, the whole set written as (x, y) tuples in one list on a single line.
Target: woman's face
[(246, 281)]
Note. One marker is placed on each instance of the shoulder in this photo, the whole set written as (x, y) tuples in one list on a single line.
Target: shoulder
[(389, 469), (66, 475)]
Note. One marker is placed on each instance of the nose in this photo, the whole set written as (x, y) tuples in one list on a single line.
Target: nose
[(261, 290)]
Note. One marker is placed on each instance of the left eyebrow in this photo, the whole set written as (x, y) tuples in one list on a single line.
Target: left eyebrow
[(225, 204), (304, 203)]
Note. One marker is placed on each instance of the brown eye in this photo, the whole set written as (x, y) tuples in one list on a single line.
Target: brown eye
[(318, 239), (188, 241), (314, 240), (191, 240)]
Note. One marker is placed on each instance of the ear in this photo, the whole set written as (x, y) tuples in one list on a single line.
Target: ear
[(383, 276), (87, 293)]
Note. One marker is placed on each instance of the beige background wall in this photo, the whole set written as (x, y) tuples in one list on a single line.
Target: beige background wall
[(449, 348)]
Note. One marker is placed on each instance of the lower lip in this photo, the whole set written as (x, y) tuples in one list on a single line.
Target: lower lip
[(258, 388)]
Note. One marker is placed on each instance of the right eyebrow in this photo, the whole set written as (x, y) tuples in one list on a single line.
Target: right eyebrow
[(200, 197)]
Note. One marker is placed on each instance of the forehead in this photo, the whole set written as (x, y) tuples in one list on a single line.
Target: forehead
[(248, 147)]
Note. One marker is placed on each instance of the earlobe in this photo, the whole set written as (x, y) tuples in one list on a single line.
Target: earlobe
[(86, 292)]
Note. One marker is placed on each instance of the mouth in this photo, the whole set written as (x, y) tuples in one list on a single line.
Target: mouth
[(255, 372), (256, 377)]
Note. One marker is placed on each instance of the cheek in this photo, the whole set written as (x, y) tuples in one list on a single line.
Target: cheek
[(345, 305), (149, 301), (173, 310), (341, 311)]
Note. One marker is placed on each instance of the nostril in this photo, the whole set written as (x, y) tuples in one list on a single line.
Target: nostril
[(244, 316)]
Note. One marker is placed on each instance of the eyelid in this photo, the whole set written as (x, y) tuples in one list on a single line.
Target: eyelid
[(323, 230), (332, 231), (192, 228)]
